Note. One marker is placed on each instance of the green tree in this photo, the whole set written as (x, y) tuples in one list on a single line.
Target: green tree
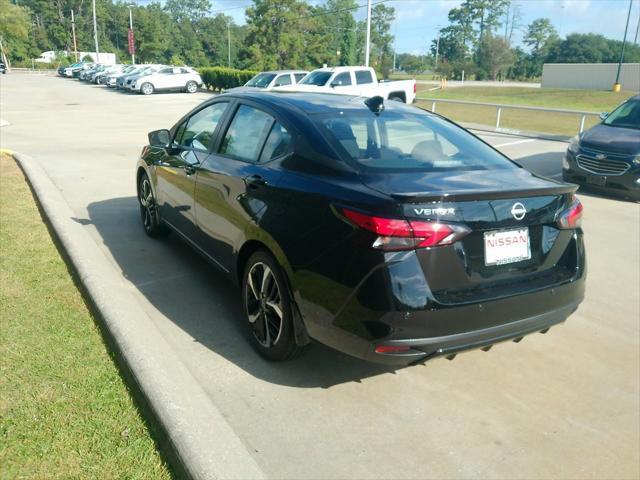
[(540, 36), (187, 10), (494, 57), (381, 55), (274, 39), (14, 29)]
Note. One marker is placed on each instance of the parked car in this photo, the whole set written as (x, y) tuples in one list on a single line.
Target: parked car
[(144, 70), (111, 80), (3, 68), (268, 80), (181, 79), (382, 230), (360, 81), (606, 158), (101, 77), (77, 71)]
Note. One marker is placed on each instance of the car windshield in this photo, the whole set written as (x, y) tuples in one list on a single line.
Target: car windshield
[(626, 115), (317, 78), (407, 141), (261, 80)]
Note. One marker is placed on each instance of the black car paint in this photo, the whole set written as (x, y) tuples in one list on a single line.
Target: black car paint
[(621, 144), (347, 294)]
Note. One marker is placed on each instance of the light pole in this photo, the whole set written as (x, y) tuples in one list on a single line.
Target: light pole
[(229, 41), (132, 48), (368, 44), (73, 31), (95, 32), (616, 86)]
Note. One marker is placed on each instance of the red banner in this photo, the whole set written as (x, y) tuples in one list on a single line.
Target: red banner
[(132, 44)]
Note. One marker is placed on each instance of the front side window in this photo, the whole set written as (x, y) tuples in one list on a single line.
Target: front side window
[(363, 76), (342, 79), (403, 141), (283, 80), (626, 115), (197, 132), (317, 78), (246, 134)]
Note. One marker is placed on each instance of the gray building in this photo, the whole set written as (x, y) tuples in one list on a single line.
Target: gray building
[(590, 76)]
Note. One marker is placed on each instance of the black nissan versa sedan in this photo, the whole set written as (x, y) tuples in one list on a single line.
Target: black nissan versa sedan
[(381, 230), (606, 158)]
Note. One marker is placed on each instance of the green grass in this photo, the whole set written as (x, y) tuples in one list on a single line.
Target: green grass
[(64, 409), (407, 76), (546, 122)]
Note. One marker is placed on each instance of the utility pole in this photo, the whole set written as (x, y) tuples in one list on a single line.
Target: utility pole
[(95, 32), (229, 41), (73, 31), (616, 86), (368, 44), (132, 47), (637, 29)]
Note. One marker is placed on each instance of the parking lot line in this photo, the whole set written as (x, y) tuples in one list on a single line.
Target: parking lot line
[(517, 142)]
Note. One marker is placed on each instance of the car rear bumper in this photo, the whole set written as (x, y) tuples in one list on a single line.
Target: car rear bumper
[(358, 328)]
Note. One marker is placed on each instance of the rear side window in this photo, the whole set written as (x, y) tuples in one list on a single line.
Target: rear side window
[(406, 141), (197, 131), (342, 79), (246, 134), (299, 76), (278, 143), (363, 76)]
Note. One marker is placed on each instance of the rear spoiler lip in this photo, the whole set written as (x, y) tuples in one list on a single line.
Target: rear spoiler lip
[(470, 195)]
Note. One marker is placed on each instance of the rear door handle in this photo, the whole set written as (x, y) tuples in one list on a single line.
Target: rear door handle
[(255, 181)]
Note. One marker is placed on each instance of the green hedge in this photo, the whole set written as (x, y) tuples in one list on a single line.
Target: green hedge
[(222, 78)]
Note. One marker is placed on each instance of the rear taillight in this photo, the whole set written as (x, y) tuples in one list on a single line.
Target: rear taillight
[(396, 234), (415, 87), (572, 216)]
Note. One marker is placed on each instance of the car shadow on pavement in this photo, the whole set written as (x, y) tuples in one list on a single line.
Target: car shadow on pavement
[(204, 303)]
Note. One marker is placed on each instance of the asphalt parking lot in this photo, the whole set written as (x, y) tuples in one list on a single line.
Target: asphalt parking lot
[(561, 405)]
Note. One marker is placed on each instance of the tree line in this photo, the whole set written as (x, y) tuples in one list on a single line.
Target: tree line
[(277, 34), (295, 34)]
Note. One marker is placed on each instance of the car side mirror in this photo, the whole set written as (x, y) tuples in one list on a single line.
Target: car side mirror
[(603, 115), (159, 138), (334, 84)]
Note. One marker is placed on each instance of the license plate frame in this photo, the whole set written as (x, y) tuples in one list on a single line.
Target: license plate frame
[(501, 249), (597, 180)]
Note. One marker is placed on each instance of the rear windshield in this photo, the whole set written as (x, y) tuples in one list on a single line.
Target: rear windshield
[(407, 141), (262, 80)]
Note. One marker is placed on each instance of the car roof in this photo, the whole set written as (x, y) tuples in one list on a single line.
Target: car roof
[(285, 71), (340, 69), (313, 103)]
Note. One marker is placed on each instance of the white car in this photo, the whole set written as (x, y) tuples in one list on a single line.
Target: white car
[(168, 78), (360, 81), (268, 80)]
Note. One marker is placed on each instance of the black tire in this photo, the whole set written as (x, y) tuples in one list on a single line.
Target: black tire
[(396, 98), (148, 209), (265, 292), (146, 88), (191, 87)]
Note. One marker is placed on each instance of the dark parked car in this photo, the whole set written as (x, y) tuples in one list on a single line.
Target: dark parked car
[(386, 232), (606, 158), (3, 68)]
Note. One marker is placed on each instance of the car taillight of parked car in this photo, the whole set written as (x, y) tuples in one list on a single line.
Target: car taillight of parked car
[(572, 216), (398, 234)]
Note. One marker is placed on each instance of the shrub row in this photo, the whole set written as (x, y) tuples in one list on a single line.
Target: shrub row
[(222, 78)]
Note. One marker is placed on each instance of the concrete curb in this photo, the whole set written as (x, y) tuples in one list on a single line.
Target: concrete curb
[(516, 133), (201, 443)]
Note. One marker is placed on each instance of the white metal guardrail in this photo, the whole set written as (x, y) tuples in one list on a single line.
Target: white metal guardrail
[(35, 71), (499, 107)]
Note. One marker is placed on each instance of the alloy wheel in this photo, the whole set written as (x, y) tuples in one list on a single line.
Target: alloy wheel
[(264, 308), (147, 204)]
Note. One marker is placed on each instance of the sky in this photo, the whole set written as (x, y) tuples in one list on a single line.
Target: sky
[(418, 21)]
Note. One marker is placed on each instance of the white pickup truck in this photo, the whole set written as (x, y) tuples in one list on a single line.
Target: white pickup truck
[(354, 81)]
